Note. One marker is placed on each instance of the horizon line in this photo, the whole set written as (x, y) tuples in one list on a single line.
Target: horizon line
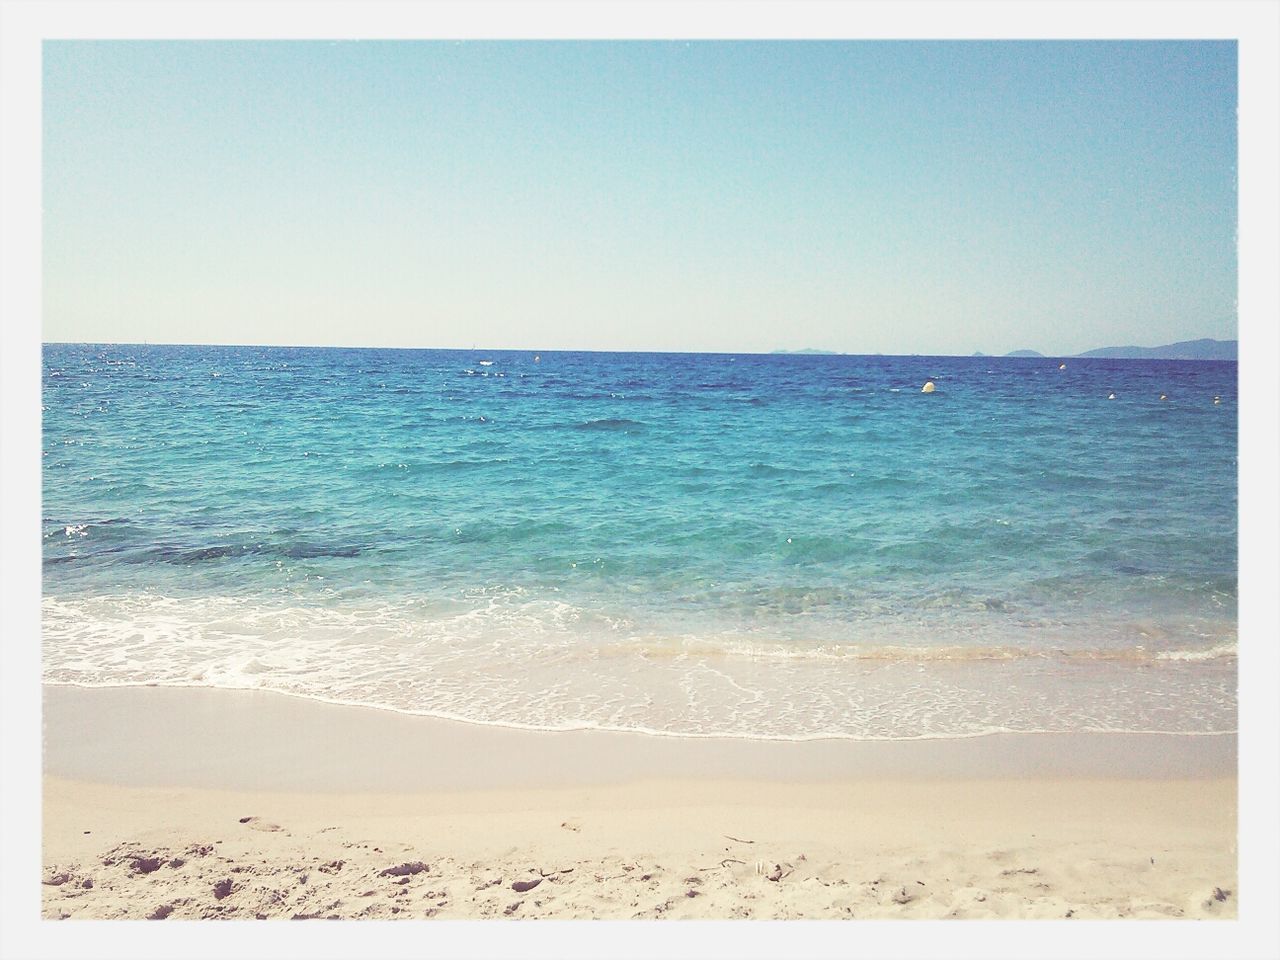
[(809, 351), (778, 351)]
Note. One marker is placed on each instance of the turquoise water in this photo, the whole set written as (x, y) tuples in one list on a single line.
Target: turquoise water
[(756, 546)]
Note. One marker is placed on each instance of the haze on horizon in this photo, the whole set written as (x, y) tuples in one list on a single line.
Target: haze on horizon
[(862, 197)]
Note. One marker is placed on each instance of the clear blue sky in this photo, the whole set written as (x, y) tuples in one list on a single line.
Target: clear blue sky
[(894, 197)]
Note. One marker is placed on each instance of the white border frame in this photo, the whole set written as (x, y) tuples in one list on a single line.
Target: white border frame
[(24, 24)]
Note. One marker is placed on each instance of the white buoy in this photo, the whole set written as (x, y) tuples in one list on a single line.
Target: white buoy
[(1111, 396), (537, 359), (928, 387), (1062, 366)]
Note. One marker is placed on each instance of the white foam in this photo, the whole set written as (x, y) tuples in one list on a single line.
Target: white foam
[(1212, 653), (503, 657)]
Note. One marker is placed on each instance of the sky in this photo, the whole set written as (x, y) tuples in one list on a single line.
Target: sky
[(864, 197)]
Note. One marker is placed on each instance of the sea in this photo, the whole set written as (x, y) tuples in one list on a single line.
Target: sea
[(714, 545)]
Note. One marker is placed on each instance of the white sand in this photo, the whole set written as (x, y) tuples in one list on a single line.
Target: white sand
[(147, 792)]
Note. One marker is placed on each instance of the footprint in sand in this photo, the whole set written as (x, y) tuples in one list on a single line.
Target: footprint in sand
[(256, 823)]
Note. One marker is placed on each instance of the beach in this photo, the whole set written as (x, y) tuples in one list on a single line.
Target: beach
[(510, 635), (197, 803), (637, 476)]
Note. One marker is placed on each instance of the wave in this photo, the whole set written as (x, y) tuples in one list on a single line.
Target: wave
[(505, 657), (1216, 652), (659, 732), (901, 653)]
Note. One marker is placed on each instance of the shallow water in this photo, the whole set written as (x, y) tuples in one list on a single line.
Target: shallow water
[(760, 546)]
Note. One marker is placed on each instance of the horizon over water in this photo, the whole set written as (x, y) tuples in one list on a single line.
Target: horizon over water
[(783, 546)]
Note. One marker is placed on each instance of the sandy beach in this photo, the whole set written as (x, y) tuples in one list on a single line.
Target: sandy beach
[(196, 803)]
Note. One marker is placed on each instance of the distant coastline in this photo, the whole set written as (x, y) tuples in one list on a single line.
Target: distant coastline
[(1202, 349), (810, 351)]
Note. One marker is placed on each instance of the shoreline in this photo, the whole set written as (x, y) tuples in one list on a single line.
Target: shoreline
[(627, 731), (188, 803), (106, 734)]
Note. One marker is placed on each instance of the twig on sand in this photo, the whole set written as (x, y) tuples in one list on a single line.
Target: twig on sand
[(737, 839)]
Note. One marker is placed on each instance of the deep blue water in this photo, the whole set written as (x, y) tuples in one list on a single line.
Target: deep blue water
[(747, 545)]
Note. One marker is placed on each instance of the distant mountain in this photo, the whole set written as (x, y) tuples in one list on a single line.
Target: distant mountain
[(1204, 349)]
